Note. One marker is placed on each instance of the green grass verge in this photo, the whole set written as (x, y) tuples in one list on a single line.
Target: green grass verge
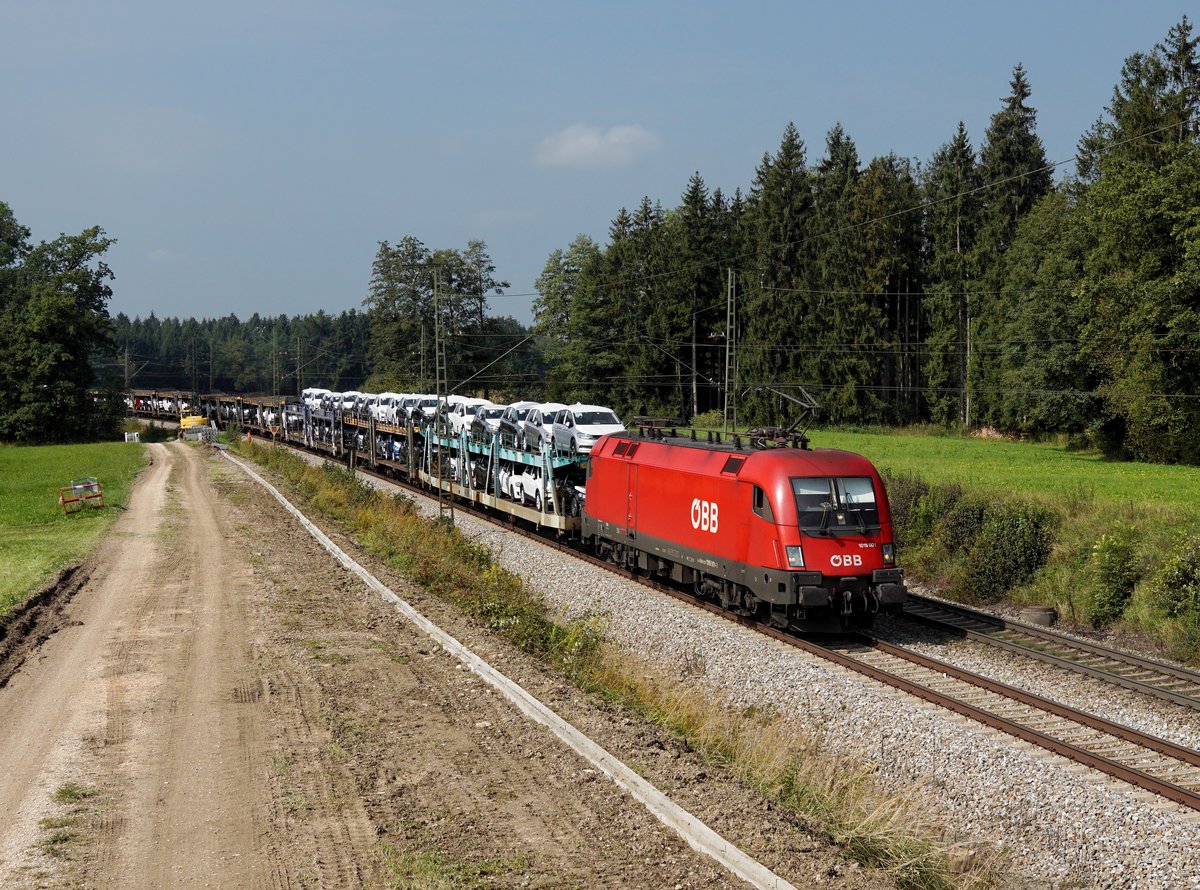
[(1039, 470), (36, 539), (870, 825)]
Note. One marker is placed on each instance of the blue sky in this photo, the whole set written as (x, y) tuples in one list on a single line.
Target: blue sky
[(249, 156)]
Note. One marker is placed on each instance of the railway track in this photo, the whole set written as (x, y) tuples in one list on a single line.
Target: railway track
[(1169, 770), (1155, 765), (1167, 682)]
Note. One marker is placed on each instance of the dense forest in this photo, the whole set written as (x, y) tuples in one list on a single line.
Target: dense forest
[(971, 290), (984, 287)]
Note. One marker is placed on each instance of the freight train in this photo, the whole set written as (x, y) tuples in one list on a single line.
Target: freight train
[(798, 537)]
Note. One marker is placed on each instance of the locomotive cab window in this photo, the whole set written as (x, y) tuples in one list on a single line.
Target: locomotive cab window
[(762, 506), (837, 505)]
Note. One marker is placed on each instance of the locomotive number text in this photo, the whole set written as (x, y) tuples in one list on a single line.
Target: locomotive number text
[(704, 515), (850, 559)]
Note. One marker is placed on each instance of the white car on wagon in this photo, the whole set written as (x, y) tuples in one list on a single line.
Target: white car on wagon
[(577, 427), (538, 423), (462, 413)]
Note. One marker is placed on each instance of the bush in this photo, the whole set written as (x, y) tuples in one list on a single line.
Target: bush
[(1013, 542), (149, 432), (930, 510), (1176, 587), (961, 523), (904, 491), (1110, 575), (709, 420)]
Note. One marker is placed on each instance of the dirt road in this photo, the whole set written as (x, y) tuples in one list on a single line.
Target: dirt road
[(224, 706)]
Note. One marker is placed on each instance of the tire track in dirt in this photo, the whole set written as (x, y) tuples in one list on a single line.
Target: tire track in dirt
[(184, 753)]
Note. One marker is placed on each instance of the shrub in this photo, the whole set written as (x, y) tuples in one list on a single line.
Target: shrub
[(905, 491), (709, 420), (929, 511), (1175, 588), (1110, 575), (961, 523), (1013, 542)]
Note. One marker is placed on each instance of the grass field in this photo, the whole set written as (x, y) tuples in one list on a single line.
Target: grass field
[(36, 539), (1043, 471)]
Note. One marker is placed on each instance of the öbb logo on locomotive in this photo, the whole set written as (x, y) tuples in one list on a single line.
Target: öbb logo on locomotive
[(704, 515)]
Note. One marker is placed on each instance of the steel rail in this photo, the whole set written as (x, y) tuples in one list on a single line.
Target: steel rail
[(1182, 795), (1186, 796), (1172, 674)]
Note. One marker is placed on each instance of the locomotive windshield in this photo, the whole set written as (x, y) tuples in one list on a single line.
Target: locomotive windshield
[(836, 504)]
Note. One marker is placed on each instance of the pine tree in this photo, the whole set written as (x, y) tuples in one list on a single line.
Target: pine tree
[(1015, 176), (1142, 286), (779, 317), (400, 306), (887, 320), (1154, 106), (700, 283), (838, 348), (573, 315), (1046, 378), (952, 220)]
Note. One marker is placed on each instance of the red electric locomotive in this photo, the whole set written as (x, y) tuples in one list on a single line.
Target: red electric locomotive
[(801, 538)]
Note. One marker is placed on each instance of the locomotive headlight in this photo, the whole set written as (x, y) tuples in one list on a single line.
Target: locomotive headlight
[(795, 556), (889, 554)]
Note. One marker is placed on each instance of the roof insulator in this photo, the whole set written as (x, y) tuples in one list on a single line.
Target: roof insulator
[(737, 442), (693, 435)]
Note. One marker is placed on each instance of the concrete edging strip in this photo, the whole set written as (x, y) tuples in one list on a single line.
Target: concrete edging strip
[(697, 835)]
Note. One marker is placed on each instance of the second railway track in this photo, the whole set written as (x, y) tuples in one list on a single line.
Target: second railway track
[(1148, 676), (1169, 770)]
